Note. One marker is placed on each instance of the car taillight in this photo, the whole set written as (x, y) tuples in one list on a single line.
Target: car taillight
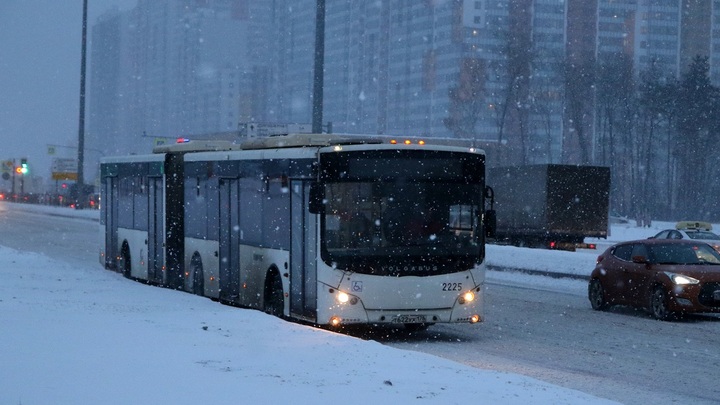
[(599, 259)]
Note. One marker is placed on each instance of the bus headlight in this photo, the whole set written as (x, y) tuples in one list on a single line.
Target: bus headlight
[(467, 297), (342, 297)]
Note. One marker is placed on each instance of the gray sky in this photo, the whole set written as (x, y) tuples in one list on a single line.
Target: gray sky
[(40, 43)]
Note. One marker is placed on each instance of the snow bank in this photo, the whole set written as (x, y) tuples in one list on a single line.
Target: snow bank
[(88, 336)]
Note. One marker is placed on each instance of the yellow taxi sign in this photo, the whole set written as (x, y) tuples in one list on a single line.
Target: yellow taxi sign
[(695, 225)]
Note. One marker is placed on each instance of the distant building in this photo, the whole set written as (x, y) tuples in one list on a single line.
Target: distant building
[(168, 69), (515, 75)]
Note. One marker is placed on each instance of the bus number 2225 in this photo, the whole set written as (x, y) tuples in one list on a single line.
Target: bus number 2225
[(451, 286)]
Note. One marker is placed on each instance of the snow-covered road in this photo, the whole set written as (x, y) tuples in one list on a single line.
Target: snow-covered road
[(540, 327)]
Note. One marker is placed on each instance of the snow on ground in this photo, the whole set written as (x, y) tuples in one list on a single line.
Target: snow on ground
[(579, 263), (73, 335)]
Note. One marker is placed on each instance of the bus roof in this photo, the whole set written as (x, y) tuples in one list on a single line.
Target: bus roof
[(303, 139)]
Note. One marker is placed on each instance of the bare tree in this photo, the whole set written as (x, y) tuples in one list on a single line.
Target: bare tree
[(695, 110), (466, 99), (615, 110), (579, 80), (511, 103), (656, 101)]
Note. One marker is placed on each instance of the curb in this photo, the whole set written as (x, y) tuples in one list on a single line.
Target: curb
[(544, 273)]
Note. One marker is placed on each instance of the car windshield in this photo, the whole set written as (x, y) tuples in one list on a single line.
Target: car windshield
[(682, 254)]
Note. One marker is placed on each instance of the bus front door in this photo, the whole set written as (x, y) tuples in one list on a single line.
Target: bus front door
[(156, 231), (110, 212), (303, 270)]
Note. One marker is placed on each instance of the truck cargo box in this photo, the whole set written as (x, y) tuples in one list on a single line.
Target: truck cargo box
[(550, 205)]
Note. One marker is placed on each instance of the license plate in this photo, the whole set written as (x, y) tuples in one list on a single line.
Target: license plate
[(409, 319), (716, 295)]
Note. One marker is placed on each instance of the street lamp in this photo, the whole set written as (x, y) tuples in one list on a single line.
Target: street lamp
[(80, 191)]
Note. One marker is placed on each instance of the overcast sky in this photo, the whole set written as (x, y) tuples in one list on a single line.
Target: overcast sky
[(40, 43)]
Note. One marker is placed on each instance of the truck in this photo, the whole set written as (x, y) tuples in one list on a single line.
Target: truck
[(550, 206)]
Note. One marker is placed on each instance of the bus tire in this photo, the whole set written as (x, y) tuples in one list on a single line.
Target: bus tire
[(273, 301), (125, 262), (198, 278)]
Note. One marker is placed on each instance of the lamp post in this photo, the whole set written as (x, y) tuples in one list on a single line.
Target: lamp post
[(319, 67), (80, 189)]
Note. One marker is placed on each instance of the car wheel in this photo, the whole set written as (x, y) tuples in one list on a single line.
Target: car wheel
[(659, 304), (596, 295)]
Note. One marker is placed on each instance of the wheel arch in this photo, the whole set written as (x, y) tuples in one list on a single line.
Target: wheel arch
[(273, 275), (191, 275), (125, 259)]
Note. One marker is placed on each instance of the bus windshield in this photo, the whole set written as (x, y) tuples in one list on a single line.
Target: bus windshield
[(423, 225)]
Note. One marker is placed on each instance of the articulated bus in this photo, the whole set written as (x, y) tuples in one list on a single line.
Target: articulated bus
[(320, 228)]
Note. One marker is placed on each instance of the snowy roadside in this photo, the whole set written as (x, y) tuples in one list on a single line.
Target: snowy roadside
[(82, 335)]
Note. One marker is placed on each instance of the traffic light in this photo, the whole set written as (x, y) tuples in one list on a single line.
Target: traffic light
[(23, 166)]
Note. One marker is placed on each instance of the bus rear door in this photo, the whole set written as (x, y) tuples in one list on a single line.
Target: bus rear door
[(156, 232), (303, 240), (229, 271)]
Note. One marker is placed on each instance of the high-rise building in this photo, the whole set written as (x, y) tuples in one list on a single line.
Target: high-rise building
[(666, 34), (516, 75), (696, 32), (108, 110), (175, 68)]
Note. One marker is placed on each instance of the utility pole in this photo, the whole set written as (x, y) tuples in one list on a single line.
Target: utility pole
[(319, 67), (80, 186), (12, 193)]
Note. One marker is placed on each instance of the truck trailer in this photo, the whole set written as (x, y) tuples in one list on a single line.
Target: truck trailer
[(551, 205)]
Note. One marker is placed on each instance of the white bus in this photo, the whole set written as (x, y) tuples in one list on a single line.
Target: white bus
[(326, 229)]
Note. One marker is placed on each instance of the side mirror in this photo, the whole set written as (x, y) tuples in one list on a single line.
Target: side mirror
[(317, 197), (490, 223), (639, 259), (490, 218)]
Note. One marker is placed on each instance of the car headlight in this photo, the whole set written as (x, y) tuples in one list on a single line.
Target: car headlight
[(679, 279)]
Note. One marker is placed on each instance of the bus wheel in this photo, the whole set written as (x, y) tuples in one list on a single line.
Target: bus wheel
[(274, 303), (198, 279), (125, 263)]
